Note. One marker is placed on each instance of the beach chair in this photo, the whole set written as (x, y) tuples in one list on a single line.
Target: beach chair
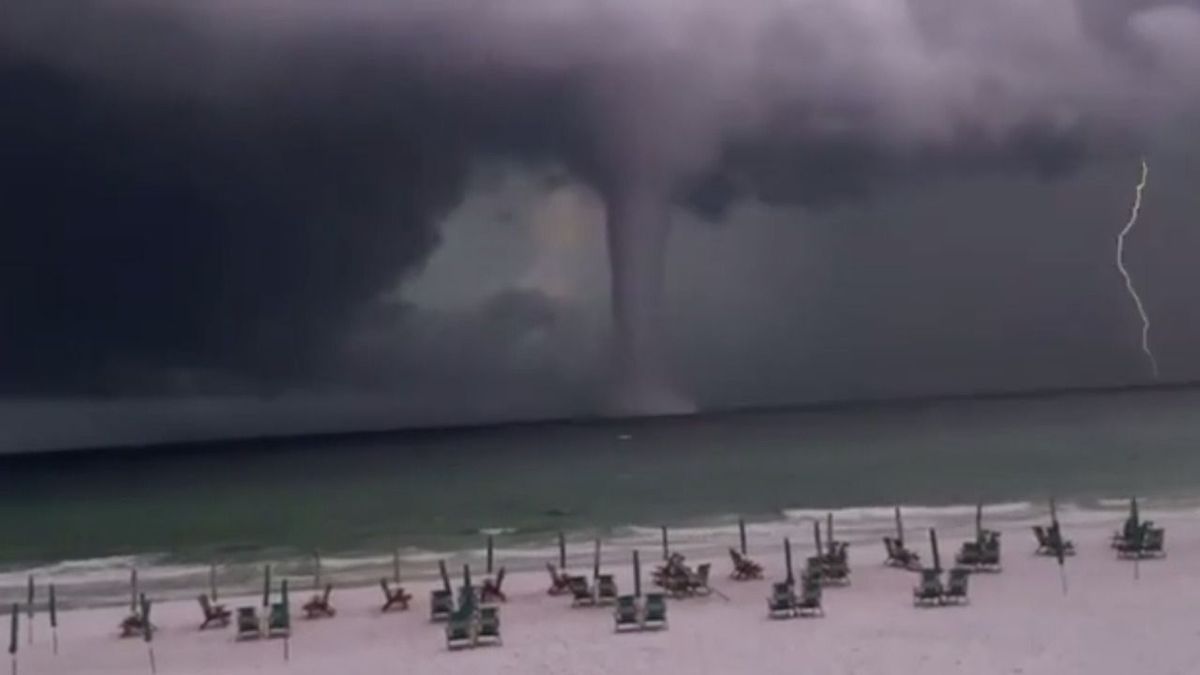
[(460, 628), (318, 606), (1048, 541), (929, 591), (898, 556), (744, 568), (560, 583), (626, 616), (441, 605), (969, 555), (1153, 544), (606, 589), (492, 590), (989, 551), (782, 602), (697, 582), (279, 621), (394, 597), (1044, 546), (133, 625), (213, 614), (956, 586), (488, 631), (248, 627), (835, 568), (468, 596), (581, 594), (654, 615), (809, 603)]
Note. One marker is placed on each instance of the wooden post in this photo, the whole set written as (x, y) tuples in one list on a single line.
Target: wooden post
[(29, 608), (742, 534), (665, 546), (148, 633), (12, 639), (54, 619), (489, 554), (562, 551), (637, 576)]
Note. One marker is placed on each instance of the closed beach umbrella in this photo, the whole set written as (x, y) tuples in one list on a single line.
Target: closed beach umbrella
[(1133, 510), (637, 575), (133, 591), (899, 526), (490, 544), (937, 558), (829, 530), (29, 608), (817, 535), (12, 638), (596, 560), (562, 551), (316, 570), (212, 580), (396, 565), (742, 534), (266, 594), (54, 618), (787, 559), (665, 546), (446, 586), (978, 521), (466, 576)]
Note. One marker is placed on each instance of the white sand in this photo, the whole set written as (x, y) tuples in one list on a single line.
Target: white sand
[(1017, 622)]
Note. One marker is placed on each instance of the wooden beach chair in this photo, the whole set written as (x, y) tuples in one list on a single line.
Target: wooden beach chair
[(133, 625), (488, 631), (654, 614), (899, 556), (492, 590), (626, 615), (318, 606), (460, 628), (441, 604), (396, 597), (581, 594), (809, 603), (213, 614), (606, 589), (929, 590), (248, 626), (956, 586), (744, 568), (279, 621), (560, 582), (782, 602), (697, 582)]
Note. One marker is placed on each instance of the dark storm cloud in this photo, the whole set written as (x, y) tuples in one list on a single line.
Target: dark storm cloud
[(227, 187)]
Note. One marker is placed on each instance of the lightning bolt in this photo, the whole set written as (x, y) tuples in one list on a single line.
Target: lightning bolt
[(1133, 294)]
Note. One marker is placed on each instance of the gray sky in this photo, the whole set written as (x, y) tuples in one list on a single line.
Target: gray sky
[(262, 217)]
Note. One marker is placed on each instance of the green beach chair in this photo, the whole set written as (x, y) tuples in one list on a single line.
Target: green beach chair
[(1153, 544), (441, 605), (279, 622), (654, 616), (581, 594), (782, 602), (488, 631), (810, 600), (460, 629), (606, 589), (248, 627), (626, 614), (929, 591), (956, 586)]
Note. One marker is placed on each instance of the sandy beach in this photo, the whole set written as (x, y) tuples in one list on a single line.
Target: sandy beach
[(1018, 621)]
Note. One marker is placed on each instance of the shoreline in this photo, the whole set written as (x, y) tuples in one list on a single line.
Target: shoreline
[(1018, 621)]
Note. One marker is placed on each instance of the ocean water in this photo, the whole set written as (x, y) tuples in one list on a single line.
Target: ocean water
[(84, 520)]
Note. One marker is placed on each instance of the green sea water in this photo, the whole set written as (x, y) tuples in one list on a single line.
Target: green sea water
[(424, 493)]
